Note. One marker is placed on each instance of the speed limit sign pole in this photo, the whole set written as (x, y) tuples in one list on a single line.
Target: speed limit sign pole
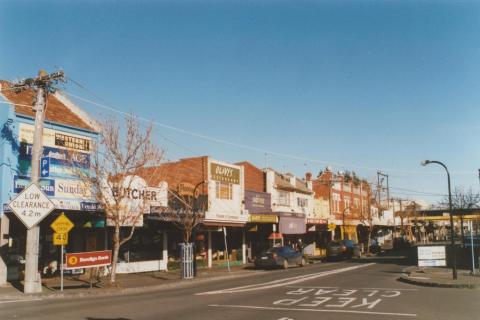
[(62, 225)]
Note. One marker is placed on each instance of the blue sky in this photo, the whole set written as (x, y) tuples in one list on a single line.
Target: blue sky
[(359, 85)]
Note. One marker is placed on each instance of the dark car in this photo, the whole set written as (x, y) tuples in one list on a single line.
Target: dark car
[(343, 249), (280, 257)]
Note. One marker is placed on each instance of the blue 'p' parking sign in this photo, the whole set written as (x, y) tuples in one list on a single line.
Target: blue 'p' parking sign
[(44, 167)]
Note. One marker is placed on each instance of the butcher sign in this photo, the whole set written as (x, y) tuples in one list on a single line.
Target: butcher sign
[(31, 205)]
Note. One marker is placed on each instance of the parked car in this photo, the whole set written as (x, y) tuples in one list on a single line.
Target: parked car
[(343, 249), (280, 257)]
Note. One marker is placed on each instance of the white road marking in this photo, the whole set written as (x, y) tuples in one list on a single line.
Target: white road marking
[(284, 282), (387, 289), (314, 310), (25, 300)]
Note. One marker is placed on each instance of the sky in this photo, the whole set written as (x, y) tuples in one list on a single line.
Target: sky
[(294, 85)]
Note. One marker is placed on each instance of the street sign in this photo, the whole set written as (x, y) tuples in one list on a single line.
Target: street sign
[(62, 224), (45, 167), (431, 256), (31, 205), (60, 239), (88, 259)]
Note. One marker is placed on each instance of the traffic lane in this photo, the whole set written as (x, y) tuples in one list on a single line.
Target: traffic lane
[(269, 303), (369, 293), (140, 305)]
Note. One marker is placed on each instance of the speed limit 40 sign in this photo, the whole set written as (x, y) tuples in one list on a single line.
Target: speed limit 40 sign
[(60, 239)]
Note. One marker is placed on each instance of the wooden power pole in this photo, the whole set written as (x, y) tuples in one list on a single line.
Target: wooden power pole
[(42, 86)]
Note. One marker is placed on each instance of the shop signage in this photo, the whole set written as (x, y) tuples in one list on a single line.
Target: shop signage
[(46, 185), (90, 206), (226, 217), (263, 218), (74, 189), (62, 224), (136, 198), (31, 205), (88, 259), (55, 138), (290, 225), (60, 239), (316, 221), (219, 172), (431, 256), (258, 202), (186, 189)]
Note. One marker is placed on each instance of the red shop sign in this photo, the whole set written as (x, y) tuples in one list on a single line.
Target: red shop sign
[(88, 259)]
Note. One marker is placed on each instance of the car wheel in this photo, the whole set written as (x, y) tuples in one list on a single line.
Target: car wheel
[(285, 264), (303, 262)]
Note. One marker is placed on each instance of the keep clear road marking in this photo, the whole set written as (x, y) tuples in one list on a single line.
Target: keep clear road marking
[(284, 282), (25, 300), (314, 310)]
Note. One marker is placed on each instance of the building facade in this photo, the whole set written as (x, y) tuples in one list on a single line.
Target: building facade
[(349, 202), (68, 139)]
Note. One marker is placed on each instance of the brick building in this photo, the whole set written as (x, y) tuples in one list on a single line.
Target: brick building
[(218, 188), (349, 202)]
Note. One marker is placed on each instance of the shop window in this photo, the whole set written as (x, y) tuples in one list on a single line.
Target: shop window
[(223, 190), (283, 198)]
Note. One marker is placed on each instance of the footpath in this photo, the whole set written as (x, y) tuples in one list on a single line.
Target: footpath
[(440, 277), (80, 286)]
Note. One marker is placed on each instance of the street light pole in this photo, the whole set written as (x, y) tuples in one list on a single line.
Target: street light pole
[(452, 228)]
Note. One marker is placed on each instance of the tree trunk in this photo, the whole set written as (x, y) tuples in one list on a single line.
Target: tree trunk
[(116, 248)]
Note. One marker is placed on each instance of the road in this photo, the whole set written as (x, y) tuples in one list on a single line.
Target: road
[(364, 289)]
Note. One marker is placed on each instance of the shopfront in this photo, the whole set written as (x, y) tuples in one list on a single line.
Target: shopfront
[(225, 217)]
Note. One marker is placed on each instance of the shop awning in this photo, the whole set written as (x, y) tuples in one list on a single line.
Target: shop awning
[(291, 225), (222, 224), (275, 235)]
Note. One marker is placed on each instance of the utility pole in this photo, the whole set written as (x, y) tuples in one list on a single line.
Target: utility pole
[(42, 86), (380, 187)]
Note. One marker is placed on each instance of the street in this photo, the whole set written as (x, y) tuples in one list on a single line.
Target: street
[(358, 289)]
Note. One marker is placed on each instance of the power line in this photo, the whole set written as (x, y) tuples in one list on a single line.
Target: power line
[(249, 147)]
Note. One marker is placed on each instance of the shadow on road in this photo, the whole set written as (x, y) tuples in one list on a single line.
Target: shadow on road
[(401, 258), (90, 318)]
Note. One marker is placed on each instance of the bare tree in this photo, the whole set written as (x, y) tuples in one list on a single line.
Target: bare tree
[(462, 201), (186, 210), (123, 150)]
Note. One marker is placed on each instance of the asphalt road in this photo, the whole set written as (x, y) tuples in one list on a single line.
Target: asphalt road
[(364, 289)]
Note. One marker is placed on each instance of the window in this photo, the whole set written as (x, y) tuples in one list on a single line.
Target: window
[(302, 202), (356, 203), (223, 190), (283, 198), (347, 203), (336, 202)]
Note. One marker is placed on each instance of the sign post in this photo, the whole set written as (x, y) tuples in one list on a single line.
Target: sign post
[(62, 226)]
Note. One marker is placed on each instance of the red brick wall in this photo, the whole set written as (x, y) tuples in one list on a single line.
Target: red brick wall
[(190, 170), (254, 177)]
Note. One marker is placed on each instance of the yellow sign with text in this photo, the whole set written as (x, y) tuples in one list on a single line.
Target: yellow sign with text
[(60, 239), (62, 224)]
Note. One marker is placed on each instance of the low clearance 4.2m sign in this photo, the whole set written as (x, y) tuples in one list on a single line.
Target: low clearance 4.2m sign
[(88, 259)]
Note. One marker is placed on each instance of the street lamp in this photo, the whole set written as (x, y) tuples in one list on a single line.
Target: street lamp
[(452, 229)]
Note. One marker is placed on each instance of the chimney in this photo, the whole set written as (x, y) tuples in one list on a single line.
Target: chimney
[(308, 176)]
